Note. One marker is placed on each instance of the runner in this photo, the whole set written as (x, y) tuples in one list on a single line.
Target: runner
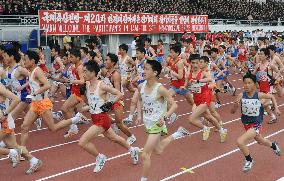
[(112, 78), (40, 103), (252, 118), (154, 98), (97, 92), (197, 82), (126, 64), (7, 133)]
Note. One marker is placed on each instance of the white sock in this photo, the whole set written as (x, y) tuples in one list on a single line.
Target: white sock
[(33, 161), (221, 130), (12, 152), (143, 179), (273, 116), (2, 144), (75, 120), (130, 116), (205, 128)]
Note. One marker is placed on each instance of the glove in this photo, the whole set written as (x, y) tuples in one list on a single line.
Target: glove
[(106, 107), (83, 89)]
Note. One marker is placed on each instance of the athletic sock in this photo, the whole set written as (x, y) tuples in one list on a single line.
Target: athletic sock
[(34, 160), (248, 158)]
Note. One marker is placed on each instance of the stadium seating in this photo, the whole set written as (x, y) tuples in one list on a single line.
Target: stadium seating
[(223, 9)]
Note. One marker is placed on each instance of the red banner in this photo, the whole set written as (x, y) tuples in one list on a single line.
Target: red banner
[(84, 22)]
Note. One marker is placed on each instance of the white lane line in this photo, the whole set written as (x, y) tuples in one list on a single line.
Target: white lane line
[(216, 158), (45, 128), (118, 156), (137, 126)]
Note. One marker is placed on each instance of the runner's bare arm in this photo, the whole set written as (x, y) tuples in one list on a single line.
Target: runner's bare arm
[(274, 102), (236, 103), (40, 76), (113, 91), (169, 99), (8, 94), (116, 80), (81, 76), (206, 77), (180, 67)]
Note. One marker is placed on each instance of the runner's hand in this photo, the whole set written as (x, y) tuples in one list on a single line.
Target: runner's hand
[(161, 122), (277, 111), (138, 121)]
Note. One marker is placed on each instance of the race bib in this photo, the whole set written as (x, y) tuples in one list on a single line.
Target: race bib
[(251, 107), (195, 88)]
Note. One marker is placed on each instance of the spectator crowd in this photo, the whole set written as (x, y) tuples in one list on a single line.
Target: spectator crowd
[(223, 9)]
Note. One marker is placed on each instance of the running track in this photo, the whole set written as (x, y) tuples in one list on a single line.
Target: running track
[(210, 160)]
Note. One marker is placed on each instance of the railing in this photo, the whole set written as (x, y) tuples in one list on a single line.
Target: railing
[(19, 20), (32, 20)]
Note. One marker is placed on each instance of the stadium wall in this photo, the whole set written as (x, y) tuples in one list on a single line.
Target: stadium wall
[(111, 42)]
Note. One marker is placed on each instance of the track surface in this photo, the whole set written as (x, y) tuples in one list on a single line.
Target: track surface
[(210, 160)]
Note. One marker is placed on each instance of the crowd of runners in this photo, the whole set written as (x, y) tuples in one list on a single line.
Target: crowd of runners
[(94, 86)]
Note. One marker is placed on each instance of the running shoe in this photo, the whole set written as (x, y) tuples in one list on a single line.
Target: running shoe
[(130, 140), (223, 135), (15, 157), (38, 123), (100, 162), (206, 133), (134, 153), (272, 120), (57, 115), (73, 130), (83, 119), (248, 165), (277, 151), (181, 132), (172, 118), (217, 105), (127, 121), (115, 128), (34, 167)]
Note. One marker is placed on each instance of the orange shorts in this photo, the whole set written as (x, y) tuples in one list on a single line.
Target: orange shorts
[(5, 128), (40, 107)]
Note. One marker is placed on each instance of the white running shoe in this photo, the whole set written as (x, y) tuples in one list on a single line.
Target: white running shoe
[(130, 140), (217, 105), (100, 162), (127, 121), (115, 128), (15, 157), (248, 165), (206, 133), (134, 153), (83, 119), (34, 167), (181, 132), (172, 118), (57, 115), (37, 123), (73, 130)]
